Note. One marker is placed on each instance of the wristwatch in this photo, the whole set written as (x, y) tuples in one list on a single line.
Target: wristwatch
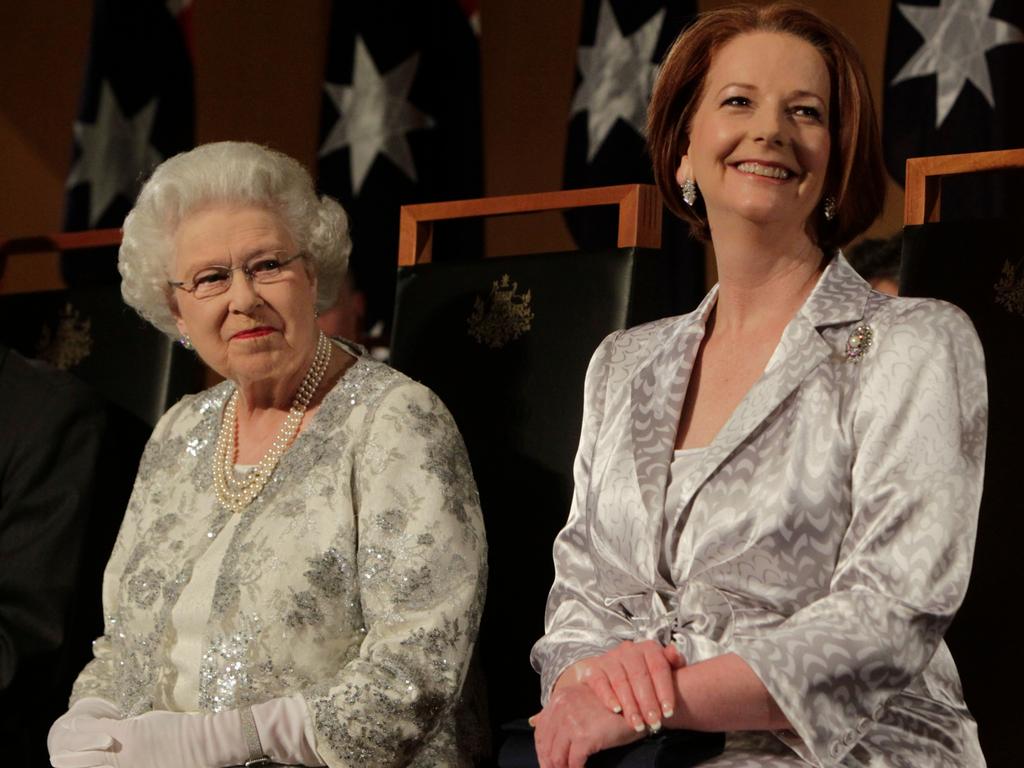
[(256, 757)]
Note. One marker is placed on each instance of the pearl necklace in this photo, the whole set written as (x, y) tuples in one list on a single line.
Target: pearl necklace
[(237, 493)]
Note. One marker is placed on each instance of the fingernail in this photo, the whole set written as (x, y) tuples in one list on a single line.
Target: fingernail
[(666, 710), (655, 727), (617, 709), (638, 724)]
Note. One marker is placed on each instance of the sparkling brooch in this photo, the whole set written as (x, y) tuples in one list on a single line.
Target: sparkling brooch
[(859, 342)]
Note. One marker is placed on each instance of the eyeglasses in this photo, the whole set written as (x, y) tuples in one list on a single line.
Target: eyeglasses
[(213, 281)]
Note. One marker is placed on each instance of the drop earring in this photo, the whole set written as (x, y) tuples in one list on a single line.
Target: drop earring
[(689, 190), (829, 207)]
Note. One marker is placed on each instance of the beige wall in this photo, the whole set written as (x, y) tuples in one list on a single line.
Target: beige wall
[(258, 70), (42, 64)]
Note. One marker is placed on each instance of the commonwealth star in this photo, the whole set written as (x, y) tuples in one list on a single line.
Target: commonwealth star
[(957, 35), (374, 116), (618, 76), (116, 153)]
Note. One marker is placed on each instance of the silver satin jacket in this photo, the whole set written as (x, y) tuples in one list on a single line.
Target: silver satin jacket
[(826, 537)]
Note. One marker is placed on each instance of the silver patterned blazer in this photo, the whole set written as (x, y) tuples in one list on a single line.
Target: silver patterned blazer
[(356, 579), (826, 536)]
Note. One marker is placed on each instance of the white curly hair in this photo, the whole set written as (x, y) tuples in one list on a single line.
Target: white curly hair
[(226, 172)]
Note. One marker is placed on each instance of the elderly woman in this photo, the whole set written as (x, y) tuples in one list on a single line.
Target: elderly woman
[(300, 572), (777, 494)]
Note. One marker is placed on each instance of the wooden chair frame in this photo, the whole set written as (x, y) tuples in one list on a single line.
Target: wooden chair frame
[(60, 242), (923, 201), (639, 205)]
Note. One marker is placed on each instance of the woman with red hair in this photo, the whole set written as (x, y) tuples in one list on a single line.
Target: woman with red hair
[(776, 494)]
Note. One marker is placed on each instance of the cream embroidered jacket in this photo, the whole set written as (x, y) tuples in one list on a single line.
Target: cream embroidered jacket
[(355, 579), (826, 537)]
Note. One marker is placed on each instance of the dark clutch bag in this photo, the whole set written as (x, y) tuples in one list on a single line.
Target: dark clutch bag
[(668, 749)]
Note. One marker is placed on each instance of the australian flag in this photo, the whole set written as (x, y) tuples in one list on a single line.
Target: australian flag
[(622, 43), (952, 84), (400, 124), (137, 107)]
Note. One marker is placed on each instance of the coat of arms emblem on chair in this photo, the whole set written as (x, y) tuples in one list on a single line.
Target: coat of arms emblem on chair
[(1010, 289), (503, 317), (70, 344)]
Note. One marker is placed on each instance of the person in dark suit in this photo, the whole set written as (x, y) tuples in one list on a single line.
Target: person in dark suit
[(51, 426), (877, 260)]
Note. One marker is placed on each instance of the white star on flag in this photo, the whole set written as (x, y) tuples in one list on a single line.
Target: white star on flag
[(175, 7), (115, 152), (374, 116), (957, 35), (618, 76)]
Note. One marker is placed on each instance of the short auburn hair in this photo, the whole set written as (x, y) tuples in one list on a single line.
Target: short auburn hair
[(859, 191)]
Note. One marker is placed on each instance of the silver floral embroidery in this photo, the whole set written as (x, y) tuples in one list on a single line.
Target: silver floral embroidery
[(194, 445), (378, 456), (347, 540), (374, 562), (416, 579), (144, 587), (224, 671), (331, 573), (392, 520), (455, 478), (306, 611)]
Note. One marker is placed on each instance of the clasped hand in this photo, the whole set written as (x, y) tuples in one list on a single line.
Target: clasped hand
[(606, 701), (92, 734)]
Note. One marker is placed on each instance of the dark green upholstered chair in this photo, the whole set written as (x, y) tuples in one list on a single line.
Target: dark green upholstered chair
[(505, 343), (979, 266)]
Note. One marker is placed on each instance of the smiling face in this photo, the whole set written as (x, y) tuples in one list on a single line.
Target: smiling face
[(759, 141), (252, 332)]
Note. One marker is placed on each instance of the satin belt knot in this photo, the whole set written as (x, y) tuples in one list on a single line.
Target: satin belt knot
[(700, 609), (703, 610)]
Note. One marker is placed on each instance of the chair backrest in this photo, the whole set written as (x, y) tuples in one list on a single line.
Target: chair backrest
[(505, 343), (77, 321), (72, 316), (979, 266)]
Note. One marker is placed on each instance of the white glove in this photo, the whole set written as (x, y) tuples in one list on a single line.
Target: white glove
[(64, 736), (156, 740), (94, 737), (286, 731)]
